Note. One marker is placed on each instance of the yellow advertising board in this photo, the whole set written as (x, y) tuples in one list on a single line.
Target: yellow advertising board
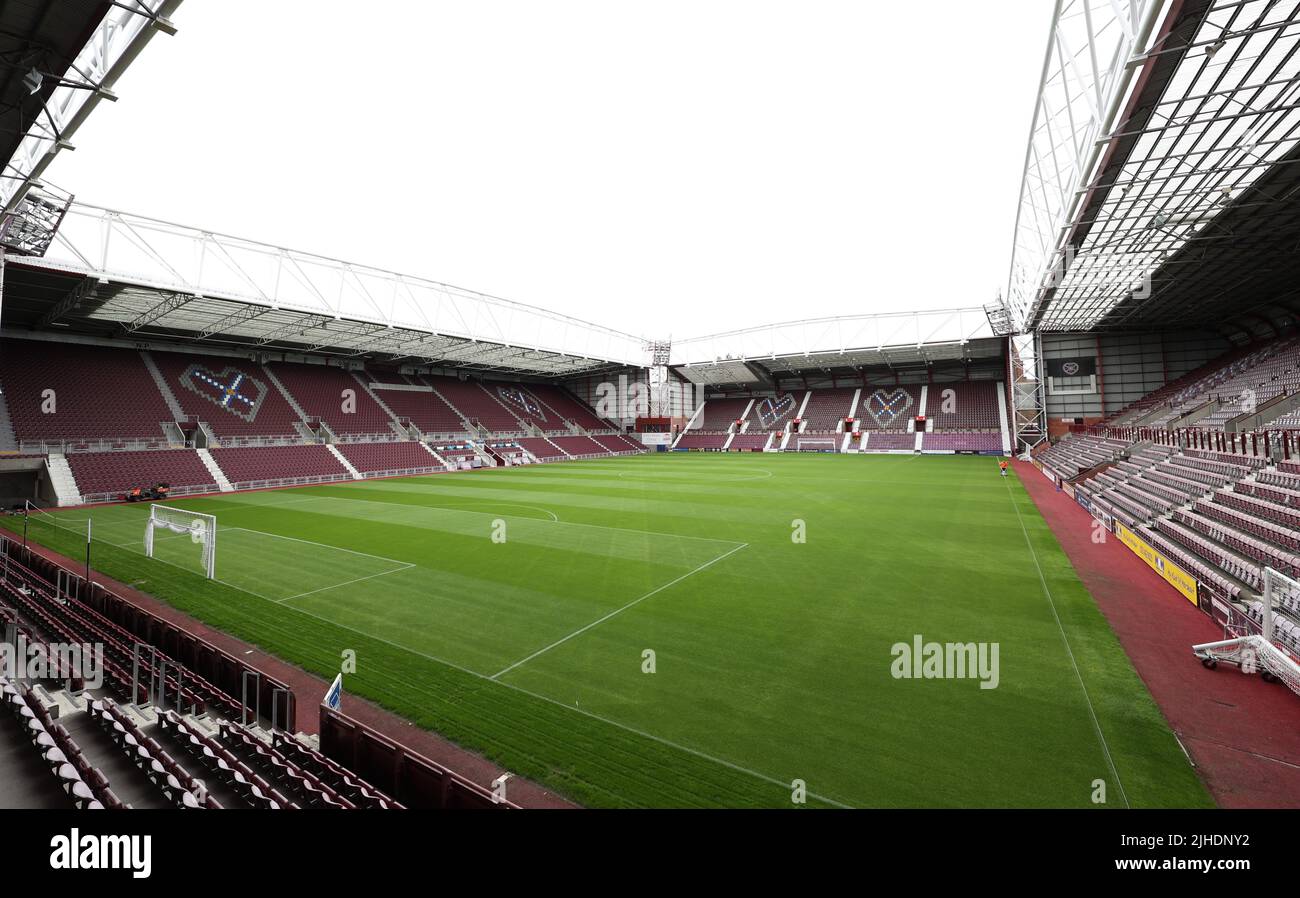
[(1178, 578)]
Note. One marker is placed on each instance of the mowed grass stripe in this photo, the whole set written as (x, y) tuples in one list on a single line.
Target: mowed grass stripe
[(597, 762), (775, 660)]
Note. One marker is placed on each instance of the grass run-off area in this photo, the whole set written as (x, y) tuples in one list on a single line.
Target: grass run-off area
[(513, 611)]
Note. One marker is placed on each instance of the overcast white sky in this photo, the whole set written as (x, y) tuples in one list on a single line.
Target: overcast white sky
[(667, 168)]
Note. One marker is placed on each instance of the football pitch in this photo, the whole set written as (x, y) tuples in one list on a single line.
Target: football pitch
[(694, 630)]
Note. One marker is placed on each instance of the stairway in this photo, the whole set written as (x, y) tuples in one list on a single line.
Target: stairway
[(356, 475), (8, 441), (284, 391), (442, 461), (218, 476), (61, 479), (463, 419), (392, 418), (178, 414)]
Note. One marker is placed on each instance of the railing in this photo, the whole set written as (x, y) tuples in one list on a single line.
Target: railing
[(172, 493), (1258, 443), (282, 440), (404, 472), (273, 483), (173, 642), (388, 437), (133, 444), (451, 437)]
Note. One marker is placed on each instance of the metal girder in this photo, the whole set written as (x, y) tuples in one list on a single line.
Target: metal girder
[(294, 329), (1028, 398), (1220, 112), (84, 288), (170, 303), (116, 42), (239, 316), (1085, 78), (165, 256), (839, 333)]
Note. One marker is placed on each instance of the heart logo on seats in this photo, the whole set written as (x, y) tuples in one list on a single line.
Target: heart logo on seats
[(887, 407), (519, 398), (230, 389), (772, 410)]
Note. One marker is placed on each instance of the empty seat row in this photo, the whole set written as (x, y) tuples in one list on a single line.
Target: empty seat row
[(171, 778), (83, 783)]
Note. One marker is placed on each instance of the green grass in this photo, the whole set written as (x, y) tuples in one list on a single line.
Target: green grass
[(773, 657)]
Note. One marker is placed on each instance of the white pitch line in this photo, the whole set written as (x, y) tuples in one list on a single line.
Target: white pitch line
[(731, 765), (1051, 603), (312, 592), (537, 695), (581, 630), (707, 539), (311, 543)]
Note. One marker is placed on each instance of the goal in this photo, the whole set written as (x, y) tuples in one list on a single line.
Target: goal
[(201, 529), (1267, 639), (815, 444)]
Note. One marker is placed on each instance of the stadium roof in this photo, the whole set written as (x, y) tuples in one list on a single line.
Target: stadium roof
[(113, 274), (839, 344), (1160, 176), (58, 60)]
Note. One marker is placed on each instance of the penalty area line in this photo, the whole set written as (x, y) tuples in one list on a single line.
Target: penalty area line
[(312, 592), (617, 611)]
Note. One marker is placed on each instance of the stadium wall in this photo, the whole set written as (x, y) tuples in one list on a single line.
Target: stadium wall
[(1129, 366)]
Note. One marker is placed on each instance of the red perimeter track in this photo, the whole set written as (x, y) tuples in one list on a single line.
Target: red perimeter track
[(310, 689), (1242, 733)]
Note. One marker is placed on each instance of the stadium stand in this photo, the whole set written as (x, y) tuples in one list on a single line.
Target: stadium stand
[(319, 391), (119, 403), (425, 409), (693, 440), (543, 449), (263, 464), (168, 736), (476, 403), (371, 458), (568, 408), (971, 406), (748, 440), (618, 442), (827, 409), (887, 408), (234, 397), (102, 476), (720, 414), (888, 441), (773, 412), (576, 446), (958, 441)]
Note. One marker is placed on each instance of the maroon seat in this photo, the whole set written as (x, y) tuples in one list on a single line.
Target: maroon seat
[(234, 396), (321, 392), (251, 464), (402, 456), (98, 393), (113, 473)]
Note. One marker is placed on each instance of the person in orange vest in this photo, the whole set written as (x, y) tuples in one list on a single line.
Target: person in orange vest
[(1002, 466)]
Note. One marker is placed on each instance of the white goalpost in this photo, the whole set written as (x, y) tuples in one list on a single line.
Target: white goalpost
[(815, 444), (1268, 644), (202, 530)]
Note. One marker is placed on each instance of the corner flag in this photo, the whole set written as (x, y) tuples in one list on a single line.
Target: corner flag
[(334, 697)]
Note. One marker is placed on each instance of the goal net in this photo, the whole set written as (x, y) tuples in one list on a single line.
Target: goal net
[(201, 530), (1267, 637), (815, 444)]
